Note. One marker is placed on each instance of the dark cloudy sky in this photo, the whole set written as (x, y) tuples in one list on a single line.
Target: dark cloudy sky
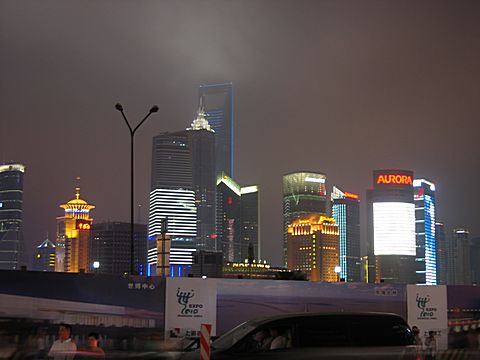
[(340, 87)]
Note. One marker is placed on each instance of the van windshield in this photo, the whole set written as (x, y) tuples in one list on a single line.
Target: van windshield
[(231, 337)]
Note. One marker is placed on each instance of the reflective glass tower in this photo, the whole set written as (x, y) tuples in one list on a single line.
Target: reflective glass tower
[(426, 244), (217, 100), (183, 192), (459, 258), (237, 219), (442, 253), (201, 138), (346, 212), (11, 216), (304, 193)]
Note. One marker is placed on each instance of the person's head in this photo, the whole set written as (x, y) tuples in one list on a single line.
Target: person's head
[(260, 335), (64, 331), (93, 339), (431, 333), (274, 332), (415, 330)]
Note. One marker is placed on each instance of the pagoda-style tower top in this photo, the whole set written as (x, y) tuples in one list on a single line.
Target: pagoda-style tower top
[(77, 208)]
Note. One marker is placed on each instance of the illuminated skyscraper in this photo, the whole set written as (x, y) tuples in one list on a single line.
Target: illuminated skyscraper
[(72, 248), (426, 244), (313, 247), (346, 212), (391, 227), (219, 111), (228, 218), (44, 258), (250, 213), (304, 193), (237, 219), (172, 196), (12, 248), (202, 144), (183, 192), (442, 253)]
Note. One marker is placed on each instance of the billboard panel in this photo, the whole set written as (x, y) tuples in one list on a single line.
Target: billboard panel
[(427, 309), (394, 228), (189, 303)]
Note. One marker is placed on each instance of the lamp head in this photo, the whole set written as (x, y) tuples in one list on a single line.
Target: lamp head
[(154, 109), (119, 107)]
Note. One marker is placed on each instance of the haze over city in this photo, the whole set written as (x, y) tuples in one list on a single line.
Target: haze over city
[(342, 88)]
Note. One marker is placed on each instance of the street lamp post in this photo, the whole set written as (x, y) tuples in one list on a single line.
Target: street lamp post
[(154, 109)]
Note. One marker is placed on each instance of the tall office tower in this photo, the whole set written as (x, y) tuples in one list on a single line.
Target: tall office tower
[(459, 258), (72, 248), (442, 253), (44, 258), (172, 199), (346, 212), (426, 244), (12, 247), (237, 219), (250, 215), (304, 193), (313, 247), (474, 257), (218, 104), (391, 227), (172, 196), (110, 247), (183, 193), (228, 218), (202, 144)]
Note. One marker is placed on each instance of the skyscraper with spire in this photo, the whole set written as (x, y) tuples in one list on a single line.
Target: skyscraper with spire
[(72, 249), (183, 191), (218, 105), (201, 138)]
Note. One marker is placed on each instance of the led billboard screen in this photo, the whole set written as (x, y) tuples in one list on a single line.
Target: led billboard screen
[(394, 228)]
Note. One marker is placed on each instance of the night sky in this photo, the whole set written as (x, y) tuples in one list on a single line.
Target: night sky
[(339, 87)]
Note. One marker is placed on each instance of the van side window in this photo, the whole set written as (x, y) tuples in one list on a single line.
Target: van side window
[(381, 331), (322, 332)]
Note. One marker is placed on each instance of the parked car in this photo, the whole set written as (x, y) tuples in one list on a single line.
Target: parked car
[(316, 336)]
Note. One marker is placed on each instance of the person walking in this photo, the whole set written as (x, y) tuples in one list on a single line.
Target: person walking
[(430, 346), (63, 348), (418, 341)]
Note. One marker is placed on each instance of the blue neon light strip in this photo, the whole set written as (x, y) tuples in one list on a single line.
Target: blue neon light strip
[(430, 245)]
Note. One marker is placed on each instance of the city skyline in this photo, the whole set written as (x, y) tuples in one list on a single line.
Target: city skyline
[(341, 89)]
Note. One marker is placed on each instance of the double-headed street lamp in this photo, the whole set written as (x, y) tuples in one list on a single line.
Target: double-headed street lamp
[(154, 109)]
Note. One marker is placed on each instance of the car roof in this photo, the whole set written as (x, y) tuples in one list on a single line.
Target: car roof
[(262, 320)]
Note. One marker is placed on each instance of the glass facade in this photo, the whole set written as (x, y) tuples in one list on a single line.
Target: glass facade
[(11, 216), (217, 100), (304, 193), (346, 212), (237, 219), (425, 232)]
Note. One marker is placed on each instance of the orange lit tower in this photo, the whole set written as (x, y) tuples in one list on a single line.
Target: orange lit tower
[(313, 247), (73, 236)]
